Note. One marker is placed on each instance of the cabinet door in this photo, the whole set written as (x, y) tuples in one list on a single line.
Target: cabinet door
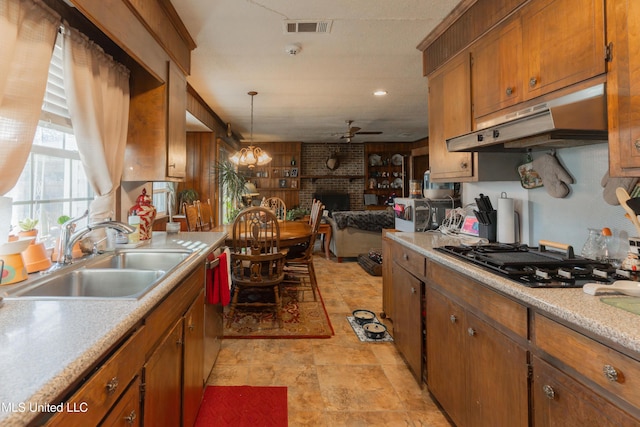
[(496, 371), (126, 413), (176, 123), (497, 82), (193, 361), (445, 355), (449, 115), (559, 400), (407, 324), (623, 87), (163, 380), (387, 278), (563, 41)]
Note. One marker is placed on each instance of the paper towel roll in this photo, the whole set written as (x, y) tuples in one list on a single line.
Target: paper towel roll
[(506, 232)]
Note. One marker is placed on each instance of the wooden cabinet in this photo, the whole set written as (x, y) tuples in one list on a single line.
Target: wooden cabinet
[(449, 116), (193, 383), (162, 379), (608, 374), (156, 141), (623, 87), (475, 353), (497, 81), (126, 413), (559, 400), (281, 177), (387, 276), (563, 43)]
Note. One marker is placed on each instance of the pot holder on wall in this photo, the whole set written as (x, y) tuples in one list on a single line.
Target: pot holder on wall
[(529, 178)]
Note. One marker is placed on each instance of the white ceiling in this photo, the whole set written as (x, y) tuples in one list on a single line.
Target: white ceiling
[(309, 96)]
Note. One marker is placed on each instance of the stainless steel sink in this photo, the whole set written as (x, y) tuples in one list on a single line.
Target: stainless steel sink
[(139, 259), (94, 283)]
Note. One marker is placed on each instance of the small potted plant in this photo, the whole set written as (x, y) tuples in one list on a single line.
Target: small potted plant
[(28, 227)]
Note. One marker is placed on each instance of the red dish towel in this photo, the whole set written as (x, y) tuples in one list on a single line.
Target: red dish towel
[(218, 281)]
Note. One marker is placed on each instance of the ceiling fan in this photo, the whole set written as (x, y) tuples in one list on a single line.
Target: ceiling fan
[(355, 130)]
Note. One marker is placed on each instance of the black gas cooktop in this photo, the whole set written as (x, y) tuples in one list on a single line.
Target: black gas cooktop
[(539, 267)]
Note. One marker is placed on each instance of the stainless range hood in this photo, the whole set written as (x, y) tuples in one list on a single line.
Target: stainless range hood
[(579, 116)]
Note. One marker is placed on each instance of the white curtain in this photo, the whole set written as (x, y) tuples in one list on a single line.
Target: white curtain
[(97, 91), (27, 36)]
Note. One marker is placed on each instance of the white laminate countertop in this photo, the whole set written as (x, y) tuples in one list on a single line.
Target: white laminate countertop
[(46, 345), (569, 304)]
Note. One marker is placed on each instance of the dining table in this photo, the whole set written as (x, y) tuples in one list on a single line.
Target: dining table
[(291, 232)]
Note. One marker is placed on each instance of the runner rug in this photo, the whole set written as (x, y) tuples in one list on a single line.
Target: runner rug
[(241, 406), (302, 318)]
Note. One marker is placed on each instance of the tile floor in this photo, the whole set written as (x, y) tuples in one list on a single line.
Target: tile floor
[(339, 381)]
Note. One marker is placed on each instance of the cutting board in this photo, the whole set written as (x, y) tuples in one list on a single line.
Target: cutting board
[(630, 304)]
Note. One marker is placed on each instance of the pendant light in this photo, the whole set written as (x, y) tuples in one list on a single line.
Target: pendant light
[(251, 156)]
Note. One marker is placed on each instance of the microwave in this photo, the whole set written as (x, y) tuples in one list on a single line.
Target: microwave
[(414, 215)]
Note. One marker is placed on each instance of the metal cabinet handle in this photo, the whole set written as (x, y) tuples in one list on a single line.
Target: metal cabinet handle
[(405, 257), (172, 165), (471, 332), (464, 165), (509, 91), (192, 327), (112, 385), (129, 419), (533, 81), (413, 290), (610, 373), (549, 391), (453, 318), (179, 341), (636, 144)]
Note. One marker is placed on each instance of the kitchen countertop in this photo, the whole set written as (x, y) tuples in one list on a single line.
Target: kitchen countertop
[(570, 304), (46, 345)]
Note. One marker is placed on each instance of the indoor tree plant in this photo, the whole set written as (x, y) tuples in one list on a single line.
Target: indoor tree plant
[(233, 183)]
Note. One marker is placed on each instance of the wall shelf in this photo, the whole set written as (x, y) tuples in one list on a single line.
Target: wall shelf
[(314, 178)]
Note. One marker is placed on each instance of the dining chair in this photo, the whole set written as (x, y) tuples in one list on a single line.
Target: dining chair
[(205, 215), (299, 269), (191, 216), (257, 263), (278, 207)]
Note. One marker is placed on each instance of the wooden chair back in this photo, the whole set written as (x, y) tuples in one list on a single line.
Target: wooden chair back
[(256, 231), (316, 215), (205, 215), (278, 207), (191, 217)]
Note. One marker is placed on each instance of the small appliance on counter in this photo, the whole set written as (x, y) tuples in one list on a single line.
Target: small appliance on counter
[(436, 190), (412, 214)]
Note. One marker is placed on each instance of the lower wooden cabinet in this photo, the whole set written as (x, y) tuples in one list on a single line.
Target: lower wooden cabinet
[(477, 365), (559, 400), (193, 366), (127, 412)]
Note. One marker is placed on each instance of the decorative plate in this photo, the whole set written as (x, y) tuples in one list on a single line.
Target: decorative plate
[(397, 183), (375, 160), (396, 160), (373, 183)]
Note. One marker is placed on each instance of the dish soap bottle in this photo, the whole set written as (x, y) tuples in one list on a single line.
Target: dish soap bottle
[(134, 221)]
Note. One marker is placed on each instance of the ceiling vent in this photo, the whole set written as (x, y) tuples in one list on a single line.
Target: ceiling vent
[(307, 27)]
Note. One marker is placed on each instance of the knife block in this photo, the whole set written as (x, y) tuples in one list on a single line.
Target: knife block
[(489, 231)]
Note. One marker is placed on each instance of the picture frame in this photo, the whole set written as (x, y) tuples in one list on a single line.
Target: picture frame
[(283, 183), (294, 172), (294, 184)]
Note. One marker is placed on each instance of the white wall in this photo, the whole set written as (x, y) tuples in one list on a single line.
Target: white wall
[(563, 220)]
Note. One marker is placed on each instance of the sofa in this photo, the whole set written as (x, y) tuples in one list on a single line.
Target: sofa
[(357, 232)]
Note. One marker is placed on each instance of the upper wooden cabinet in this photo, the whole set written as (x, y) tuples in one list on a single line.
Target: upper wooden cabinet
[(563, 43), (156, 144), (623, 87), (449, 115), (497, 81)]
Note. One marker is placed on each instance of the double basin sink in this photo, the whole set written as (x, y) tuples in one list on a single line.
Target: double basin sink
[(123, 274)]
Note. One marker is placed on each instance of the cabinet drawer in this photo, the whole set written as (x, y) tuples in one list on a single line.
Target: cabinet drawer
[(93, 400), (606, 367), (507, 312), (410, 260), (127, 412)]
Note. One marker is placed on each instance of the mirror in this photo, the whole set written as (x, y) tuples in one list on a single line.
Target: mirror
[(332, 162)]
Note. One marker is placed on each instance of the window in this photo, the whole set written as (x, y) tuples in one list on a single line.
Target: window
[(53, 182), (162, 193)]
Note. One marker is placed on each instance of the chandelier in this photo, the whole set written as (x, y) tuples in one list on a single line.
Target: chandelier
[(251, 156)]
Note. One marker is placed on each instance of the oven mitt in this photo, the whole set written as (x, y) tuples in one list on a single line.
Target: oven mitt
[(610, 184), (554, 177)]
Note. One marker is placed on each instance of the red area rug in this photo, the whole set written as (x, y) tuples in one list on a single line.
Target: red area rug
[(302, 318), (241, 406)]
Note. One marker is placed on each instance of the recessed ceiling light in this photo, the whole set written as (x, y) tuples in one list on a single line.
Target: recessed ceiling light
[(380, 93)]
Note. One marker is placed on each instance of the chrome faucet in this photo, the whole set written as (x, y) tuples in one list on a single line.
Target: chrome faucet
[(68, 237)]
